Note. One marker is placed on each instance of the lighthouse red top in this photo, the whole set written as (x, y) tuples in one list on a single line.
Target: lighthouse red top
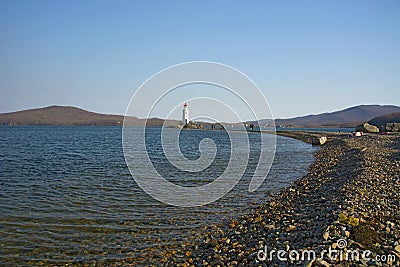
[(185, 104)]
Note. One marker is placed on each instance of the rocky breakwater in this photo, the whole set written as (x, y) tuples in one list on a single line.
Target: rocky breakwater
[(347, 204)]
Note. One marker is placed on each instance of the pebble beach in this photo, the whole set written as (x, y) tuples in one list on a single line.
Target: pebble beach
[(346, 210)]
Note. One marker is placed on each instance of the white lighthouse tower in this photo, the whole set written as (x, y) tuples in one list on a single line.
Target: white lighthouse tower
[(185, 114)]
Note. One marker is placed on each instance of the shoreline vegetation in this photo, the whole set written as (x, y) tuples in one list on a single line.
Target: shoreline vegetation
[(351, 193)]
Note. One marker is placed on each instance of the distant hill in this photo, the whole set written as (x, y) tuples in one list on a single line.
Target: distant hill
[(382, 120), (66, 115), (349, 117)]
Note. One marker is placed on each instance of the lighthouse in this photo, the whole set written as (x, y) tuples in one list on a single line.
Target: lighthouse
[(185, 114)]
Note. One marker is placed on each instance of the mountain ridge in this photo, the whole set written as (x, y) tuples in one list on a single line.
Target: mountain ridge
[(70, 116), (348, 117), (381, 121)]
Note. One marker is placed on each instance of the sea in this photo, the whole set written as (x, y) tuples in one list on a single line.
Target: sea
[(66, 193)]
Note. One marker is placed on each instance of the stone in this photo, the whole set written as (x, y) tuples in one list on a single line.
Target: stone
[(392, 127), (290, 228), (310, 264), (367, 128), (326, 235), (319, 141), (270, 226), (324, 263)]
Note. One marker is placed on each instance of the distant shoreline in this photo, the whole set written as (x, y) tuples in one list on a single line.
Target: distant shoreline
[(73, 116)]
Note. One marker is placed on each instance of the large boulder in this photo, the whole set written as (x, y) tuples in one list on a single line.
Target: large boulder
[(367, 128), (393, 127)]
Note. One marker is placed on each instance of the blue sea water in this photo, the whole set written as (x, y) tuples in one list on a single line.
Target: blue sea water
[(321, 130), (67, 195)]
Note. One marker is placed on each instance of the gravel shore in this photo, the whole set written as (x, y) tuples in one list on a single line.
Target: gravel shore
[(346, 210)]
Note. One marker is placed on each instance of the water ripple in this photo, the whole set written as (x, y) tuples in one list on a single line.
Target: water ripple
[(67, 195)]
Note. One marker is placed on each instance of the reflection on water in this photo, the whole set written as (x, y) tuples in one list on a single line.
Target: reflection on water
[(67, 195)]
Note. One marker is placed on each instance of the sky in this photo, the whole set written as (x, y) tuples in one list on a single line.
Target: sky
[(307, 57)]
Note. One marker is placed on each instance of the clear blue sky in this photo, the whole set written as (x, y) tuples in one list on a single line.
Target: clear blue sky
[(307, 56)]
